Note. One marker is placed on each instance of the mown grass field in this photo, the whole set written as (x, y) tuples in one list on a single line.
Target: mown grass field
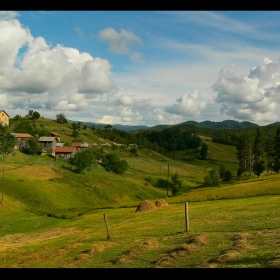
[(54, 218)]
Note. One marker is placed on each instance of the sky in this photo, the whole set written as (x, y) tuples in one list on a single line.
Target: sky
[(141, 67)]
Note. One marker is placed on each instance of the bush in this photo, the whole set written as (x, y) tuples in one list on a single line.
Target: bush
[(113, 163), (212, 179)]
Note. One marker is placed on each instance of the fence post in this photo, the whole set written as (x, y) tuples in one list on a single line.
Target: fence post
[(107, 227), (187, 216)]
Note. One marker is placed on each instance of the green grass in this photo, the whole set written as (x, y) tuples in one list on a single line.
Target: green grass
[(53, 217)]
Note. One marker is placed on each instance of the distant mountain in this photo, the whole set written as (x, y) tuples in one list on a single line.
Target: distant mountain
[(116, 126), (227, 124), (208, 124)]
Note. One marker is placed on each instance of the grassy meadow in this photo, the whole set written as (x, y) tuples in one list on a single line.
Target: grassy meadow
[(52, 217)]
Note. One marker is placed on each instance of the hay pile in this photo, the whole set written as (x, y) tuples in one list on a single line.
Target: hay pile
[(147, 205), (161, 202)]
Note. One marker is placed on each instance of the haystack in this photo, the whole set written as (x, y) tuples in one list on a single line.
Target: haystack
[(145, 205), (161, 202)]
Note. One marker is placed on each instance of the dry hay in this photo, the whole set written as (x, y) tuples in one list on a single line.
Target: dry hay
[(195, 242), (240, 244), (135, 251), (145, 205), (13, 241), (161, 202)]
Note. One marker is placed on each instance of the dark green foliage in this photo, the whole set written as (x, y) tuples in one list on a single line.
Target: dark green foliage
[(83, 160), (176, 184), (113, 163), (204, 150), (35, 115), (7, 141), (212, 179), (227, 176), (258, 168), (222, 172), (276, 153), (60, 118), (32, 146)]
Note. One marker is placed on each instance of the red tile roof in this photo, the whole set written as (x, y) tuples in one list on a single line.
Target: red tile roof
[(64, 149), (77, 144), (23, 135), (55, 133)]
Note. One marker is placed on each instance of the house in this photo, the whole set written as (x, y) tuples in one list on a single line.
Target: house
[(80, 146), (4, 118), (22, 139), (56, 135), (48, 144), (65, 152)]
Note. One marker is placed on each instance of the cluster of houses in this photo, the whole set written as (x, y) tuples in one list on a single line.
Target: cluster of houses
[(50, 144)]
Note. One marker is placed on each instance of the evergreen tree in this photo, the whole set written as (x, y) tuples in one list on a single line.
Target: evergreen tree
[(176, 184), (276, 153), (258, 148), (204, 150), (7, 141)]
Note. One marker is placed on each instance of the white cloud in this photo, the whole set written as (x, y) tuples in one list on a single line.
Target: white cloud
[(255, 97), (119, 42), (189, 105), (58, 78), (162, 117), (8, 14)]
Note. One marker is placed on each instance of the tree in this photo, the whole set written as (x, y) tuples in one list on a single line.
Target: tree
[(30, 112), (276, 154), (60, 118), (222, 172), (7, 141), (113, 163), (212, 179), (176, 184), (35, 115), (258, 148), (83, 160), (204, 150), (32, 147), (259, 168), (227, 176)]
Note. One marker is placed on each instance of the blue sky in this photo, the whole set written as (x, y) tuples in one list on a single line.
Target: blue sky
[(141, 67)]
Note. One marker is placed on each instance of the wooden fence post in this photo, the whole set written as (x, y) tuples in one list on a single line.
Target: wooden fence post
[(107, 227), (187, 216)]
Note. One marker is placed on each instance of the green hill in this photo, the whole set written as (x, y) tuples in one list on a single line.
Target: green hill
[(54, 217)]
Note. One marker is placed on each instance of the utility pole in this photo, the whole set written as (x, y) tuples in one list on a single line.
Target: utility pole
[(168, 179), (3, 186)]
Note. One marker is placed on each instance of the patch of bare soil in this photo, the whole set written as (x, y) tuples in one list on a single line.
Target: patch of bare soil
[(145, 205), (240, 244), (160, 203), (135, 251), (195, 242)]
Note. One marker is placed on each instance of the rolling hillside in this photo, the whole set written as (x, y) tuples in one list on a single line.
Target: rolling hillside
[(54, 217)]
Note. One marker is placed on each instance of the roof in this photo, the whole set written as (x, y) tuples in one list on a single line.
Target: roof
[(4, 112), (55, 133), (68, 149), (23, 135), (46, 139), (80, 144)]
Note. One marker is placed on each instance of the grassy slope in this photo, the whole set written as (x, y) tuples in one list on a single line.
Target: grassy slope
[(229, 225)]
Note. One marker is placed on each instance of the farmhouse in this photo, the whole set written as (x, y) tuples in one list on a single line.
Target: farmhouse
[(65, 152), (56, 135), (4, 118), (22, 139), (48, 144), (80, 146)]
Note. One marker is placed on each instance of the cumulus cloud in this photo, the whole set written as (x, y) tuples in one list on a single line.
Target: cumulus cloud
[(254, 97), (59, 77), (188, 105), (160, 116), (8, 14), (119, 42)]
